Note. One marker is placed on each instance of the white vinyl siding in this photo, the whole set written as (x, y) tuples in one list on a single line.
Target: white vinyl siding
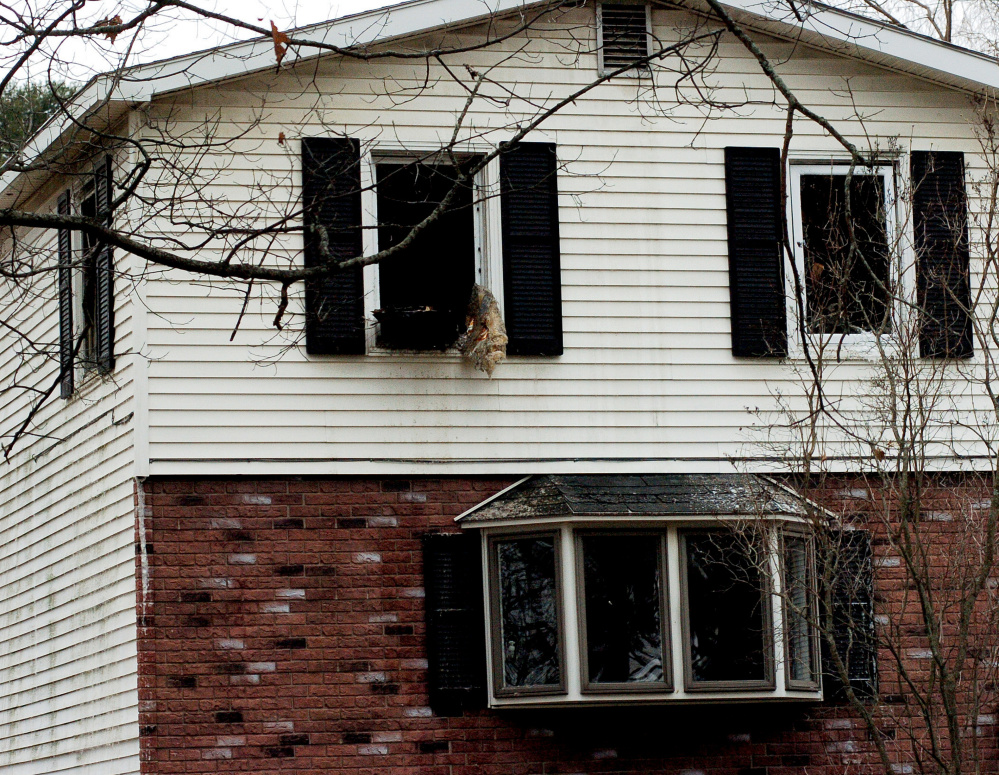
[(68, 664), (647, 381)]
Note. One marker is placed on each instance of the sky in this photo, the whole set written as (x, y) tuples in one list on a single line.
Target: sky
[(191, 37), (174, 34)]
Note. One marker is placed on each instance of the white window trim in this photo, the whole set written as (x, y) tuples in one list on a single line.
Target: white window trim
[(487, 228), (868, 345), (570, 623)]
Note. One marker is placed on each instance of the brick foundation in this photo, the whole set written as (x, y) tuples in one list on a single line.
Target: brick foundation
[(281, 630)]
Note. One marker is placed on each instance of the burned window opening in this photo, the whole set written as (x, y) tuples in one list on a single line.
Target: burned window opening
[(424, 289), (846, 262)]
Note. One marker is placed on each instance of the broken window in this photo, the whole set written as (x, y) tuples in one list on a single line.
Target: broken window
[(424, 290), (842, 248)]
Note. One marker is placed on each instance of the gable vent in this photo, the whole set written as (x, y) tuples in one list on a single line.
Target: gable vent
[(624, 35)]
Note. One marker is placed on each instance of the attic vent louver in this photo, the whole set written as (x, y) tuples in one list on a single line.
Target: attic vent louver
[(624, 35)]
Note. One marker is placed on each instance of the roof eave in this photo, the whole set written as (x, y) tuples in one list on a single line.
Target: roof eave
[(854, 36)]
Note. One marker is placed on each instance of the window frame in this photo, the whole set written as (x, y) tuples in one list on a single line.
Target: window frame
[(487, 226), (867, 344), (769, 681), (495, 631), (588, 687)]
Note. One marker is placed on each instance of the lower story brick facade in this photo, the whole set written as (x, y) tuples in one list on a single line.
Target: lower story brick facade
[(282, 630)]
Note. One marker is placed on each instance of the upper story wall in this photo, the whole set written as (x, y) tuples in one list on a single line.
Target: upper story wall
[(647, 380), (68, 691)]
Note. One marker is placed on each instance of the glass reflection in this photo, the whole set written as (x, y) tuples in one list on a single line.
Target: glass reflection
[(528, 612)]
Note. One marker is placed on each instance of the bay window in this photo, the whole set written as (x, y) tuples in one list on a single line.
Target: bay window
[(675, 611)]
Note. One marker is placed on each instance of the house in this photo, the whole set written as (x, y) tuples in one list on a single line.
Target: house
[(231, 547)]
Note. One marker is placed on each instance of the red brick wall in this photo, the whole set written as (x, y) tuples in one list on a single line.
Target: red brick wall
[(281, 630)]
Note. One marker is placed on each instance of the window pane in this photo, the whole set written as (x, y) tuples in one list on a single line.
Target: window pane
[(797, 609), (528, 611), (724, 609), (624, 642), (847, 290)]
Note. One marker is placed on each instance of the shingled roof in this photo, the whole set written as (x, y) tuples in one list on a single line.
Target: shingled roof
[(644, 495)]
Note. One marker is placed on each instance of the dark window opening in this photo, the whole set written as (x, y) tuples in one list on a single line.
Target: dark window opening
[(424, 289), (88, 301), (847, 278), (727, 620), (529, 644), (624, 619)]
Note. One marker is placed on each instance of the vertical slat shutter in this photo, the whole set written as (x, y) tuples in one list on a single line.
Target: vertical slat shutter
[(852, 615), (756, 274), (532, 279), (456, 651), (940, 221), (334, 302), (104, 270), (65, 281)]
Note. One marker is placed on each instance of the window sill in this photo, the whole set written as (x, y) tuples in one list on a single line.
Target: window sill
[(430, 356), (659, 698), (836, 348), (89, 379)]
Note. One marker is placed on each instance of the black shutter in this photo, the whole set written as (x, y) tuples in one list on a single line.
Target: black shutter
[(532, 277), (940, 221), (755, 264), (331, 197), (852, 615), (456, 651), (65, 282), (104, 270)]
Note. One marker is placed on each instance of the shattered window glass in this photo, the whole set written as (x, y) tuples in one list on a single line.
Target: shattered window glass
[(622, 588), (528, 612), (847, 279), (725, 611)]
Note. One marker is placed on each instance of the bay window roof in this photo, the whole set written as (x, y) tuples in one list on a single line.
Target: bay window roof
[(584, 496)]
